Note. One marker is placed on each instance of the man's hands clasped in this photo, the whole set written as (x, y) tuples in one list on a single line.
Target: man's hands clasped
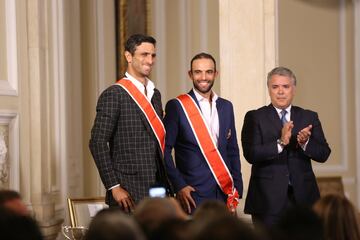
[(302, 136)]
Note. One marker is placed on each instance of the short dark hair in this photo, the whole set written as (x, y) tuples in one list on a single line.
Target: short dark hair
[(111, 224), (201, 56), (227, 227), (8, 195), (300, 222), (15, 226), (136, 40), (339, 216), (282, 71)]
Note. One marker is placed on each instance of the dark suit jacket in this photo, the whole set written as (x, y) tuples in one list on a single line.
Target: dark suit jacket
[(191, 167), (124, 146), (271, 171)]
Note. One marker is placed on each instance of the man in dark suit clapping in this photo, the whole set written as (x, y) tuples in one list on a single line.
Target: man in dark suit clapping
[(280, 140), (127, 139)]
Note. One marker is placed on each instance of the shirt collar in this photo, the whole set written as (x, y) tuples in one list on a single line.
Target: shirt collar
[(201, 98), (150, 85), (288, 110)]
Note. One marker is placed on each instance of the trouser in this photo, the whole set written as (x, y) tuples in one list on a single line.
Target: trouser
[(266, 220)]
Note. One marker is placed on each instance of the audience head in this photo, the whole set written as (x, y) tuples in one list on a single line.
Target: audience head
[(339, 217), (208, 211), (152, 212), (113, 224), (18, 227), (12, 200), (300, 223), (225, 228), (211, 209), (174, 229)]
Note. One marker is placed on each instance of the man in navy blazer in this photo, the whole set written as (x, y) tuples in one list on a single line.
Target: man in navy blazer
[(280, 140), (190, 174)]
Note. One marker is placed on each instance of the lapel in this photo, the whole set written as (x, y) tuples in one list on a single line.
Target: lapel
[(295, 117), (222, 119), (192, 94), (273, 117)]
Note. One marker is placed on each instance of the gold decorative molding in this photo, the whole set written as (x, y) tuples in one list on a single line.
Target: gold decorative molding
[(131, 18)]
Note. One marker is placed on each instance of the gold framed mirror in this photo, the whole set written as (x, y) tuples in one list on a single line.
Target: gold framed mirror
[(82, 210)]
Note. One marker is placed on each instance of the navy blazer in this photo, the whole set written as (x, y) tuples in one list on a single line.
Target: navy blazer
[(271, 171), (191, 167)]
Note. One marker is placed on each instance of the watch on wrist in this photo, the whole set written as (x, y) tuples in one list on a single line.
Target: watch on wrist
[(281, 143)]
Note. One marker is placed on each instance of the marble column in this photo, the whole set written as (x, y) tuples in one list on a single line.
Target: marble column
[(247, 31), (36, 105)]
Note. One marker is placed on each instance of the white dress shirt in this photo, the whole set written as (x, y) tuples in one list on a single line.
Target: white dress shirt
[(210, 114), (150, 86)]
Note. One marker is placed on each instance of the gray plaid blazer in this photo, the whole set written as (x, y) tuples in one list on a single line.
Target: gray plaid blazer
[(124, 146)]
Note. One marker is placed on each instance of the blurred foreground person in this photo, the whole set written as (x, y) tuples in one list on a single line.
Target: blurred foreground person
[(299, 223), (174, 229), (151, 213), (14, 226), (10, 199), (113, 224), (339, 217), (210, 209), (227, 228)]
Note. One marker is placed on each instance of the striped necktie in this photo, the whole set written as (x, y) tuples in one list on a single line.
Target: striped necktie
[(283, 117)]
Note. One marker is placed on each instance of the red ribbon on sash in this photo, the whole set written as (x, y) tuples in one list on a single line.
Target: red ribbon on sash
[(147, 108), (209, 150)]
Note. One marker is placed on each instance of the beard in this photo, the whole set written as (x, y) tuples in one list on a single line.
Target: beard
[(203, 89)]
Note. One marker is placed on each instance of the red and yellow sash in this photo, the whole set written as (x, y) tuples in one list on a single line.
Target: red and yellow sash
[(147, 108), (209, 150)]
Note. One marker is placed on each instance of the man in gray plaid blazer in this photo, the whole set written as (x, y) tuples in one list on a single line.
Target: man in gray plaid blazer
[(123, 144)]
